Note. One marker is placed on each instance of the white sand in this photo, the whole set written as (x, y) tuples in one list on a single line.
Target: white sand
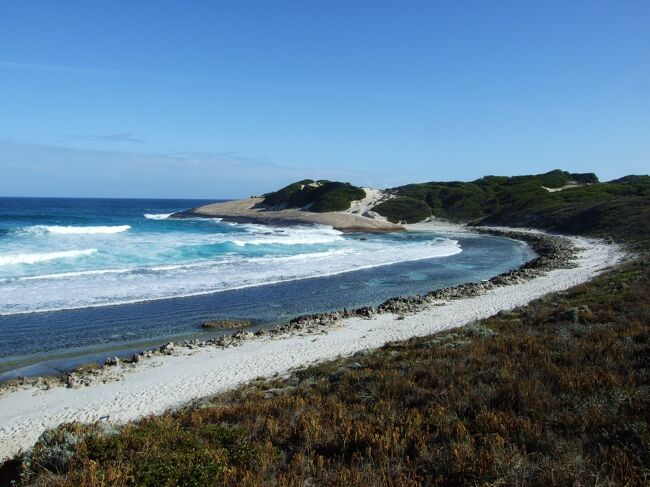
[(571, 185), (364, 206), (348, 220), (167, 382)]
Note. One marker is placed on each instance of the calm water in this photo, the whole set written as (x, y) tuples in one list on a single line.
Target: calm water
[(82, 277)]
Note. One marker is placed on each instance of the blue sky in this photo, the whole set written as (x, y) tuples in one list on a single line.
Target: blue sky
[(226, 99)]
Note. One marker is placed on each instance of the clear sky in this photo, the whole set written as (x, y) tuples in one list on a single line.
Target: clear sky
[(231, 98)]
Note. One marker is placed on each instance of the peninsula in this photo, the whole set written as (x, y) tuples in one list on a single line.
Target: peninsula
[(340, 205)]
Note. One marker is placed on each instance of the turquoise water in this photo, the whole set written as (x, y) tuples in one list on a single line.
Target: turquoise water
[(80, 276)]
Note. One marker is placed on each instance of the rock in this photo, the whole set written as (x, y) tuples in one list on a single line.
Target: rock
[(167, 347), (87, 368), (224, 341), (365, 311), (111, 361), (135, 359), (228, 324)]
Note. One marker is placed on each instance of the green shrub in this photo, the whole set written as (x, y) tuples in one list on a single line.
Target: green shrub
[(336, 197), (620, 208), (285, 194), (321, 196), (404, 209)]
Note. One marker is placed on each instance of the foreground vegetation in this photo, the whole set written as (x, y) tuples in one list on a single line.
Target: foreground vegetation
[(554, 393), (317, 196)]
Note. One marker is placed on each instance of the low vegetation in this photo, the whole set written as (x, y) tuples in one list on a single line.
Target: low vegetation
[(403, 209), (317, 196)]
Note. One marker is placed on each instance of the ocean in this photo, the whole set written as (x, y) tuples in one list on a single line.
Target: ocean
[(84, 278)]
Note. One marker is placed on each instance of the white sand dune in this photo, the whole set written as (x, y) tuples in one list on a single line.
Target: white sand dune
[(162, 383)]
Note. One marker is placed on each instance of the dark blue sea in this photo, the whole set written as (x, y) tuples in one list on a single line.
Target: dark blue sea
[(84, 278)]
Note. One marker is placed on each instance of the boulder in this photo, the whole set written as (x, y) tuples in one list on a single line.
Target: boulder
[(167, 347), (111, 361)]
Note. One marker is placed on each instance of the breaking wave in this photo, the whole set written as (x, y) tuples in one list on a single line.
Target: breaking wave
[(157, 216), (73, 230), (33, 258)]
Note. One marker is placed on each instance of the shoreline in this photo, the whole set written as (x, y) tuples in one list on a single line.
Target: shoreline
[(173, 377), (249, 211), (127, 354)]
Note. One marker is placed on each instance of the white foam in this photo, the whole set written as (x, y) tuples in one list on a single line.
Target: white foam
[(61, 275), (73, 230), (157, 216), (33, 258), (264, 235), (207, 276), (289, 240)]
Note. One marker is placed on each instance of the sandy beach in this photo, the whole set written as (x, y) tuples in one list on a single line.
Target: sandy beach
[(248, 210), (165, 382)]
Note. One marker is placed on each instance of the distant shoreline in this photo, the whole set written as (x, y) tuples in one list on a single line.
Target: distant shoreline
[(249, 211)]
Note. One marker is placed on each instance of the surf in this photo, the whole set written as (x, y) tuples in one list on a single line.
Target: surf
[(75, 230), (34, 258)]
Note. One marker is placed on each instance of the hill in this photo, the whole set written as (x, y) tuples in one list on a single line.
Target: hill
[(317, 196), (557, 201)]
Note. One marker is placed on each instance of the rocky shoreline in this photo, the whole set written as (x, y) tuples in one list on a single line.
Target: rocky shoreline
[(553, 252)]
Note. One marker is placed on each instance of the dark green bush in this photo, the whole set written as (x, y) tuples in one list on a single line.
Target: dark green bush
[(336, 197), (285, 194), (321, 196), (620, 208), (404, 209)]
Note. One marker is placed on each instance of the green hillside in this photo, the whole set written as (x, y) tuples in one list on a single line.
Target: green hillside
[(620, 207), (318, 196)]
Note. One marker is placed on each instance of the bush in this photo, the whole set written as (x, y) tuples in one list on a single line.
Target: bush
[(337, 197), (284, 195), (620, 208), (319, 196), (404, 209)]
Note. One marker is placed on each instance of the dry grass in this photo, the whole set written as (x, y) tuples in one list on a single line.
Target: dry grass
[(537, 397)]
